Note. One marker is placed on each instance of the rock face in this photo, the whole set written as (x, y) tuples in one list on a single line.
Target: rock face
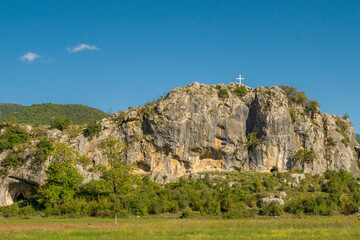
[(194, 130)]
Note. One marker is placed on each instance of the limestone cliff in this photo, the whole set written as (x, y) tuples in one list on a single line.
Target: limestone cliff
[(194, 130)]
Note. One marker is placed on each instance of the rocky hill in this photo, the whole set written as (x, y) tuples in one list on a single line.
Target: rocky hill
[(358, 137), (201, 128)]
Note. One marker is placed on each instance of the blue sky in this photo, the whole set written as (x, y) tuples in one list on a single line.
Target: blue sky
[(134, 51)]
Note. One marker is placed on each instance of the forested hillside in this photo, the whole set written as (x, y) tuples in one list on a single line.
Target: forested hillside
[(6, 109), (358, 137), (45, 113)]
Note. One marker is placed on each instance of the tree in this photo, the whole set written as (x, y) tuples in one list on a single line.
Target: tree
[(304, 156), (294, 95), (313, 107), (60, 124), (62, 177), (92, 129), (117, 172)]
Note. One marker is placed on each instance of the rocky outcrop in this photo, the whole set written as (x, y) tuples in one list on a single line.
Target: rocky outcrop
[(194, 130)]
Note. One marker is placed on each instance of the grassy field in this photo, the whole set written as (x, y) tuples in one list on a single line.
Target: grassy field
[(269, 228)]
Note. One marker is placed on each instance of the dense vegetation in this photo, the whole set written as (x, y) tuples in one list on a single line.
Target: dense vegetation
[(6, 109), (47, 112), (18, 139), (226, 195), (11, 136), (358, 137)]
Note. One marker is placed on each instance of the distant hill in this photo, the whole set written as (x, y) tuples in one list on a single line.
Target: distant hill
[(358, 137), (6, 109), (45, 113)]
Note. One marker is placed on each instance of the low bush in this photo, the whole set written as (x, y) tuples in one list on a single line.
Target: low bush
[(271, 209), (223, 93), (293, 115), (331, 142), (252, 141), (92, 129), (12, 160), (12, 136), (43, 150), (240, 91)]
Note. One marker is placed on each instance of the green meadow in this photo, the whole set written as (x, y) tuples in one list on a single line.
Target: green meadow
[(260, 228)]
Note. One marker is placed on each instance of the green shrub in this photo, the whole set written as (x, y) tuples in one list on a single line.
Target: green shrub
[(84, 161), (5, 144), (44, 148), (61, 124), (13, 135), (342, 129), (341, 182), (270, 183), (271, 209), (342, 126), (252, 141), (92, 129), (346, 141), (292, 115), (331, 142), (240, 91), (223, 93), (4, 171), (239, 211), (13, 160)]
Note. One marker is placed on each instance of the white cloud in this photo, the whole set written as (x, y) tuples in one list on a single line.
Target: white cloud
[(82, 47), (29, 57)]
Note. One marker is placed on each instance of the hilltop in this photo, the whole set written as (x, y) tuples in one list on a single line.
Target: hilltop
[(6, 109), (47, 112)]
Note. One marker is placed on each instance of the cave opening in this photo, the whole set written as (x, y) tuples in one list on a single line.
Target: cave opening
[(19, 190)]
